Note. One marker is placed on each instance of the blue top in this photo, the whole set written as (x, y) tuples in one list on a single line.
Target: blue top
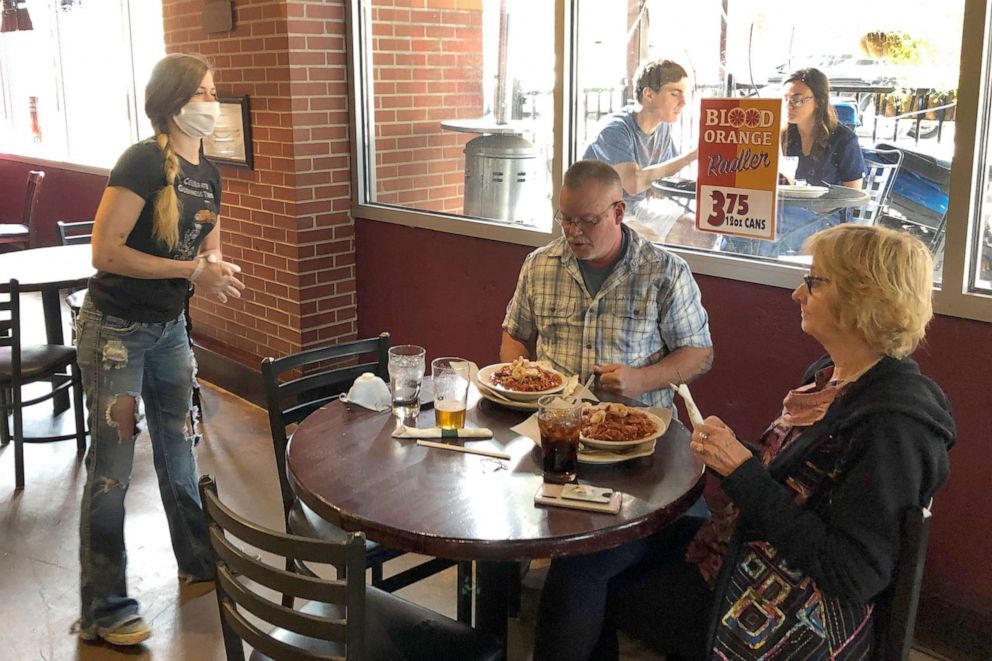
[(621, 140), (842, 162)]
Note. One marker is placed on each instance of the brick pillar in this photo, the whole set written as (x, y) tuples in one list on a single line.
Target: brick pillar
[(286, 222)]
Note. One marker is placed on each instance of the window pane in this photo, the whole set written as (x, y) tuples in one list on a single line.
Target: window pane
[(57, 104), (892, 70), (461, 108), (34, 124)]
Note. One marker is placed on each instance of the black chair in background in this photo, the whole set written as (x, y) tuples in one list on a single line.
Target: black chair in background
[(895, 609), (71, 234), (22, 235), (310, 385), (343, 617), (21, 365)]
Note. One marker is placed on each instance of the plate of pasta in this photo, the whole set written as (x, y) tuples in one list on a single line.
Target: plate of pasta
[(522, 380), (608, 426)]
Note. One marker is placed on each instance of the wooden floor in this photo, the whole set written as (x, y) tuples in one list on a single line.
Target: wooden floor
[(39, 568)]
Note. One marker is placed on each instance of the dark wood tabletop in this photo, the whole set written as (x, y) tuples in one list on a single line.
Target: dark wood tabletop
[(345, 465)]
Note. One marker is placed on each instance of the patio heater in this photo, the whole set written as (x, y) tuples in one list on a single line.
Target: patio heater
[(501, 166)]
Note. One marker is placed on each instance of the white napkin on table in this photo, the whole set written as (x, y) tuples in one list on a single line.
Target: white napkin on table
[(402, 431)]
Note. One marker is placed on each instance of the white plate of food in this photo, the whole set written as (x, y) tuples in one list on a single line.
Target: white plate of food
[(612, 426), (522, 380), (589, 455), (497, 398), (803, 192)]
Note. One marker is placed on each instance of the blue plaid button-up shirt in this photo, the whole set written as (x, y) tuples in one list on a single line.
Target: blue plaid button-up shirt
[(648, 306)]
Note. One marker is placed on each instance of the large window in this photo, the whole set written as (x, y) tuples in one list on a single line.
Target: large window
[(73, 87), (460, 119)]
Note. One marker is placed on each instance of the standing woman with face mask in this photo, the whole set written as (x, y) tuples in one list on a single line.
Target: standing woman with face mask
[(156, 231)]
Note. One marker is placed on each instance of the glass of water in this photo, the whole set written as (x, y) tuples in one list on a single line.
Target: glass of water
[(406, 376)]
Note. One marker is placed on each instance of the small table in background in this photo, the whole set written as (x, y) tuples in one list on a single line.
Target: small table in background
[(49, 271)]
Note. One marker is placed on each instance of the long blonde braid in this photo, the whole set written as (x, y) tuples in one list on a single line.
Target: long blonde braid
[(173, 82), (165, 226)]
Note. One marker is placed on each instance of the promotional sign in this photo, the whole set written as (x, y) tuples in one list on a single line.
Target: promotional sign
[(738, 167)]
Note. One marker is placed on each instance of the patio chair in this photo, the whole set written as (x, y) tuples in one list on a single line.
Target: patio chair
[(311, 385), (21, 365), (22, 235), (881, 170), (343, 618)]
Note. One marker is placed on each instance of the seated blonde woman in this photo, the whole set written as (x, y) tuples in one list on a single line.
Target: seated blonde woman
[(807, 531)]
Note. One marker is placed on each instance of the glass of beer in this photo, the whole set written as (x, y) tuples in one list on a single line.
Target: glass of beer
[(450, 377), (559, 418)]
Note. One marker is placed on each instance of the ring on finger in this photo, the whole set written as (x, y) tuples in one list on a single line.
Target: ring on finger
[(703, 435)]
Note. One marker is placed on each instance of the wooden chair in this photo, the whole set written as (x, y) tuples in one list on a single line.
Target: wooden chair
[(21, 235), (895, 609), (21, 365), (71, 234), (290, 402), (343, 619)]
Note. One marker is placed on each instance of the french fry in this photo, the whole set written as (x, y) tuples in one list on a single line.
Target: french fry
[(695, 417)]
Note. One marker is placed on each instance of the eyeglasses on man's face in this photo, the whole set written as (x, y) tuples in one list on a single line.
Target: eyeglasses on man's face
[(796, 100), (584, 223), (811, 280)]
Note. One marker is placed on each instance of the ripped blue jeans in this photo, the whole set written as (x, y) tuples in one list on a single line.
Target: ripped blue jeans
[(124, 359)]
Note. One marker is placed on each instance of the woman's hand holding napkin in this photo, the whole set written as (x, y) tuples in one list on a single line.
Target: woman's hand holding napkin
[(402, 431)]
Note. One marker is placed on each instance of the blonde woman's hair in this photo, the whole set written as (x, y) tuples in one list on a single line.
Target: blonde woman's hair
[(173, 83), (884, 284)]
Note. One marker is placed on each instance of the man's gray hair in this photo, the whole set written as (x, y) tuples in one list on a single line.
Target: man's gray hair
[(583, 172)]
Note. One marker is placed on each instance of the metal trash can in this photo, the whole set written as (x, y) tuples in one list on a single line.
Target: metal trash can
[(501, 179)]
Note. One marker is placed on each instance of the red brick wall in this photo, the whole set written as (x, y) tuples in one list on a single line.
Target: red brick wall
[(286, 223), (427, 67)]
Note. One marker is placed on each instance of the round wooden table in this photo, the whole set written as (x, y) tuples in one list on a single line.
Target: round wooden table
[(49, 271), (344, 464)]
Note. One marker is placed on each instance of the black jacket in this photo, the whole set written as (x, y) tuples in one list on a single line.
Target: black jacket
[(880, 449)]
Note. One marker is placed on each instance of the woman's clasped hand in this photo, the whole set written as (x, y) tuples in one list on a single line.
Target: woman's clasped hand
[(218, 279)]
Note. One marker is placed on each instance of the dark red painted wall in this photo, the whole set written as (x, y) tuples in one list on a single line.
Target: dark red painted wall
[(65, 195), (448, 293)]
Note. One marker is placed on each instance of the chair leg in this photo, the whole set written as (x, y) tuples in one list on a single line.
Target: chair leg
[(18, 451), (517, 575), (465, 586), (5, 427), (77, 404), (376, 575)]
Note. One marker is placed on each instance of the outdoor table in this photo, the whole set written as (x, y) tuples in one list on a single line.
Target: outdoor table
[(345, 465)]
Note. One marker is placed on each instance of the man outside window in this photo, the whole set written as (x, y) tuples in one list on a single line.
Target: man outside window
[(600, 299), (637, 141)]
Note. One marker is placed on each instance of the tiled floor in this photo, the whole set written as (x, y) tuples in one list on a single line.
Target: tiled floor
[(39, 546)]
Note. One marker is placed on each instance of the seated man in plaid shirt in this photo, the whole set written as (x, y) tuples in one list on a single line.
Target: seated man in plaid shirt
[(600, 299)]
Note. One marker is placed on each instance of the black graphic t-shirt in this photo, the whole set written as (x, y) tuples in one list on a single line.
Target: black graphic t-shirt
[(141, 169)]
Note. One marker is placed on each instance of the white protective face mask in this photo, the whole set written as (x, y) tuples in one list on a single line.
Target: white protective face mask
[(197, 118), (369, 391)]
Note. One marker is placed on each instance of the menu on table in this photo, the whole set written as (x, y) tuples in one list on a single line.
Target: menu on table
[(738, 167)]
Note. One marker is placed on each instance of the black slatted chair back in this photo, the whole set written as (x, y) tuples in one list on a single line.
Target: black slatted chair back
[(310, 387)]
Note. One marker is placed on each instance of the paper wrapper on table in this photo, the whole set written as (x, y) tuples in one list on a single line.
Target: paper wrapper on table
[(402, 431)]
